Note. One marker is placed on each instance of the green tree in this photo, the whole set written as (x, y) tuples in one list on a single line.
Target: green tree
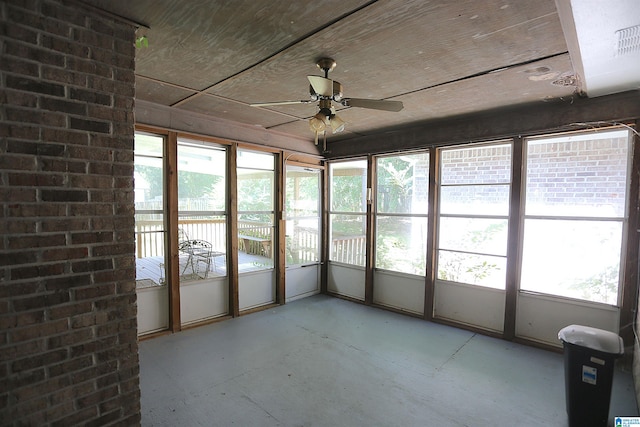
[(395, 185)]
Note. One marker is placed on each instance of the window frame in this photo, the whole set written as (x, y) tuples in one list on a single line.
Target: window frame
[(503, 217), (360, 214), (622, 220), (377, 213)]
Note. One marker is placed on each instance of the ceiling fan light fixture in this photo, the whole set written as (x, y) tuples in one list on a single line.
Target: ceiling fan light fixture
[(317, 123), (337, 124)]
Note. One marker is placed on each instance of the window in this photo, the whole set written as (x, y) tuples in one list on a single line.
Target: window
[(202, 221), (402, 201), (474, 209), (256, 184), (576, 188), (348, 183), (149, 203)]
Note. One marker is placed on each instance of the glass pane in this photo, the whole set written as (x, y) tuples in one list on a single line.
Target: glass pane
[(482, 270), (256, 187), (348, 186), (150, 250), (302, 193), (487, 236), (255, 190), (401, 244), (255, 160), (303, 216), (488, 164), (148, 181), (577, 259), (475, 181), (255, 242), (202, 243), (150, 234), (303, 241), (201, 178), (485, 199), (149, 145), (578, 175), (348, 239), (202, 246), (149, 217), (403, 184)]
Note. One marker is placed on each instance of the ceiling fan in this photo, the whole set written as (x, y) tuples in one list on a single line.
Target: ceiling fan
[(325, 91)]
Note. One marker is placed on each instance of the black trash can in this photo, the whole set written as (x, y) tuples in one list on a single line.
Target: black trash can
[(589, 356)]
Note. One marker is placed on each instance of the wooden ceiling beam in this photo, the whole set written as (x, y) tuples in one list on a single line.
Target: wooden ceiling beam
[(578, 113)]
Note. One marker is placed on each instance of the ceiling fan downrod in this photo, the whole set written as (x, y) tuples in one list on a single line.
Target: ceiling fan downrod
[(326, 65)]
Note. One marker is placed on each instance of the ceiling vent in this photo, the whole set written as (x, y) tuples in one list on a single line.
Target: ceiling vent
[(628, 40)]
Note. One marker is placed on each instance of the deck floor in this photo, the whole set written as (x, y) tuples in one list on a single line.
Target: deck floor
[(150, 270)]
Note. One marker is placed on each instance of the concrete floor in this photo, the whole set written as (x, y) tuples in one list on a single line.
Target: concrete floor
[(322, 361)]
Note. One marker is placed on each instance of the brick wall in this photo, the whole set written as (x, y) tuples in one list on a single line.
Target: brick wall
[(464, 168), (571, 177), (578, 177), (68, 345)]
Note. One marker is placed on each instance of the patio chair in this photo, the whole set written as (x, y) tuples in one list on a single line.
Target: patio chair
[(199, 257), (199, 253)]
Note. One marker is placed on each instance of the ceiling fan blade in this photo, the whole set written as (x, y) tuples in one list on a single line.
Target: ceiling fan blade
[(374, 104), (321, 85), (267, 104)]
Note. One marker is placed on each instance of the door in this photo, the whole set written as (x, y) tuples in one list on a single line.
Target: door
[(202, 231), (303, 232), (256, 229)]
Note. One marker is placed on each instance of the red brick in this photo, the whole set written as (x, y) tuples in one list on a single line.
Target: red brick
[(38, 331), (22, 195), (25, 378), (37, 210), (67, 282), (69, 366), (80, 416), (64, 195), (42, 388), (17, 162), (40, 241), (13, 258), (64, 224), (65, 136), (36, 180), (63, 76), (40, 270), (91, 266), (19, 66), (30, 412), (57, 165), (70, 338), (91, 237), (33, 85), (68, 310), (29, 318), (21, 349), (56, 412), (21, 99), (112, 249), (70, 15), (57, 254)]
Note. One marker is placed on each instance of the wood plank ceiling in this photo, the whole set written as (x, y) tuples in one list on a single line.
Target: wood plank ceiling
[(441, 58)]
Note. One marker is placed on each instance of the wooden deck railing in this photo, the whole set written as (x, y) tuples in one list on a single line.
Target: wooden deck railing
[(302, 246), (349, 249)]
